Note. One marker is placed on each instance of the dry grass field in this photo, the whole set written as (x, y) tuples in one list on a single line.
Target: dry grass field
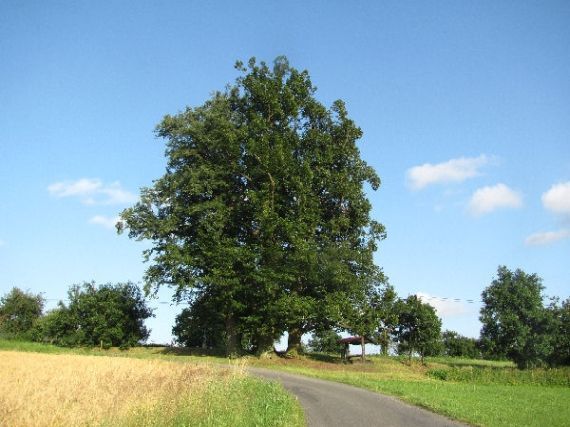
[(68, 390)]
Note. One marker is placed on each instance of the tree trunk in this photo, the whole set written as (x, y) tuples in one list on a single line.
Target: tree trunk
[(344, 353), (363, 352), (263, 346), (231, 337), (294, 342), (385, 342)]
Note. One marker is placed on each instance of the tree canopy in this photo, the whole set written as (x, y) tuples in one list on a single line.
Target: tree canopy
[(261, 210)]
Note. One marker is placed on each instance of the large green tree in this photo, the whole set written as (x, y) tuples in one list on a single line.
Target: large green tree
[(19, 312), (515, 322), (262, 208)]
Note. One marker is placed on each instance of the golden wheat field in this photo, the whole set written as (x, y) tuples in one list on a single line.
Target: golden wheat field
[(68, 390)]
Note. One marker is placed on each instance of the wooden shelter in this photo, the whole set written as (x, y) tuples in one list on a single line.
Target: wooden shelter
[(355, 340)]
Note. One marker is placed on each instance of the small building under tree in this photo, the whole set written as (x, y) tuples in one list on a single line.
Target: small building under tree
[(354, 340)]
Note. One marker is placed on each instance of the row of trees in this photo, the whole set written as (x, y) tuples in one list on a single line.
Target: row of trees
[(516, 325), (106, 315), (449, 343), (409, 323)]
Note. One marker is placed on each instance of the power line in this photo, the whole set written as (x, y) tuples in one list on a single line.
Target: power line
[(468, 301), (430, 297)]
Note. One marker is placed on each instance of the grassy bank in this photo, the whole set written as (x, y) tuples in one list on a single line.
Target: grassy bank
[(477, 392), (39, 389)]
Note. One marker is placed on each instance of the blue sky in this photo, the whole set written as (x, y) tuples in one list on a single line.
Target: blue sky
[(465, 109)]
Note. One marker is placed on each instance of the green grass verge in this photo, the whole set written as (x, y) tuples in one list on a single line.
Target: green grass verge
[(477, 404), (240, 402)]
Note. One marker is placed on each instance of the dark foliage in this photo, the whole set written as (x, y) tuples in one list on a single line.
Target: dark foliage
[(325, 341), (457, 345)]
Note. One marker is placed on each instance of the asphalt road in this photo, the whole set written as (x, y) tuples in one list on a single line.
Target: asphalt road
[(330, 404)]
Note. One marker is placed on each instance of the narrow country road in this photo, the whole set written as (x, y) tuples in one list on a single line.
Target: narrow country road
[(330, 404)]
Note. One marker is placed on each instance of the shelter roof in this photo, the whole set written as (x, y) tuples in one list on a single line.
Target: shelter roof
[(353, 340)]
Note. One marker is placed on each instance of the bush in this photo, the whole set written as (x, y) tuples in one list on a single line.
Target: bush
[(456, 345), (108, 315), (508, 376), (19, 312)]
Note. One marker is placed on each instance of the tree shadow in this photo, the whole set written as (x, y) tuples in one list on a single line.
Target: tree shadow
[(191, 351), (324, 357)]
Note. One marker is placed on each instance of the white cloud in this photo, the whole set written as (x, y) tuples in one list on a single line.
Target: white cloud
[(2, 243), (92, 192), (557, 198), (104, 221), (547, 237), (454, 170), (488, 199), (444, 306)]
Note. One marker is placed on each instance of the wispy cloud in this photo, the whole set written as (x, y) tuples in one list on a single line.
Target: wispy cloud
[(444, 306), (547, 237), (557, 198), (105, 221), (2, 243), (489, 199), (454, 170), (92, 192)]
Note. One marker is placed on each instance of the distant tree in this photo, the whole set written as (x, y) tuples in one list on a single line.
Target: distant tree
[(19, 312), (515, 322), (325, 341), (106, 315), (457, 345), (418, 329)]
